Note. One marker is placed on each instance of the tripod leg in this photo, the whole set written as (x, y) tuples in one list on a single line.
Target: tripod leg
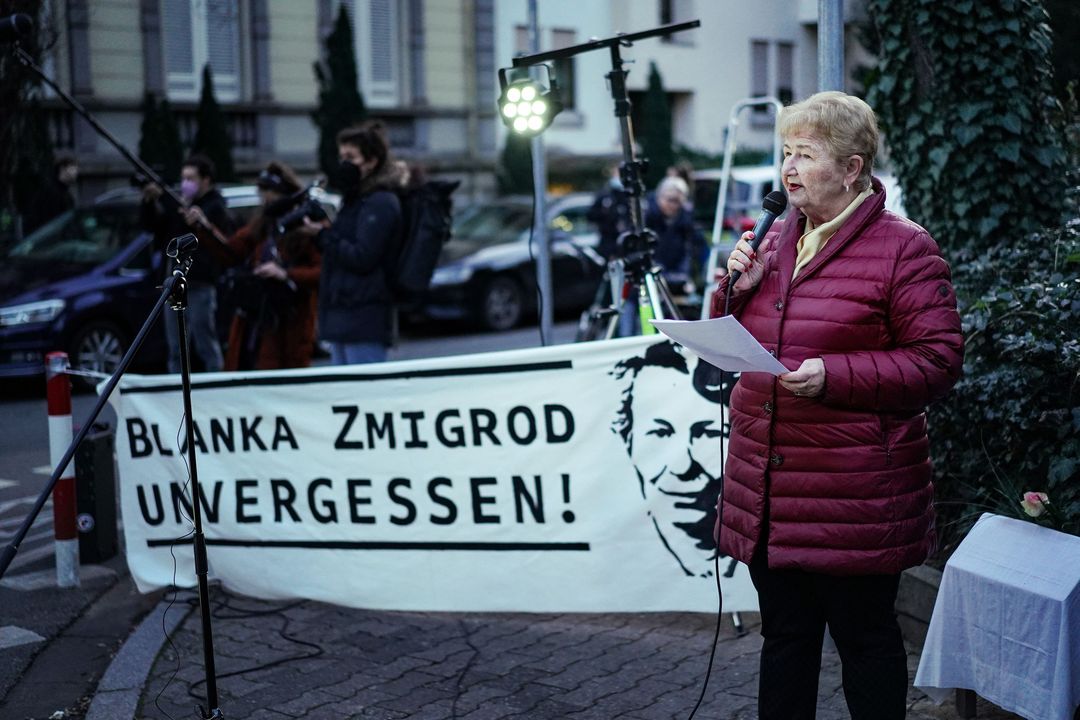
[(660, 296)]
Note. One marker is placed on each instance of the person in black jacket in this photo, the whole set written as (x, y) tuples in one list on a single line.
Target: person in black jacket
[(679, 244), (56, 195), (203, 205), (359, 248)]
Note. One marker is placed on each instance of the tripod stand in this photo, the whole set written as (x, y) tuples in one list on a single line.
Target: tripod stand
[(174, 292), (632, 274), (632, 289)]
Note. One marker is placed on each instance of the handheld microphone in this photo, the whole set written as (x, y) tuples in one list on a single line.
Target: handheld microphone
[(181, 247), (15, 26), (772, 207)]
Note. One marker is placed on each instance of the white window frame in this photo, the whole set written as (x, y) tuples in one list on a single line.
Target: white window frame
[(186, 86), (378, 92)]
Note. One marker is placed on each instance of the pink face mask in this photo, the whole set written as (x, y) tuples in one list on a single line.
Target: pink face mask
[(188, 189)]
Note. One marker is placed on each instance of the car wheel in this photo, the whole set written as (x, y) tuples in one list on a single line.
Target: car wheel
[(502, 304), (98, 346)]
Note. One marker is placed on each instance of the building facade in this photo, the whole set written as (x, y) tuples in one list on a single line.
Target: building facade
[(427, 68)]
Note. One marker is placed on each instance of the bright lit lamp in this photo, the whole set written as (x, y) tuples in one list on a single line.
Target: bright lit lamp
[(525, 105)]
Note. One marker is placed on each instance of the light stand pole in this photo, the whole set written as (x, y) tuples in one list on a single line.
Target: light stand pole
[(636, 244), (540, 226)]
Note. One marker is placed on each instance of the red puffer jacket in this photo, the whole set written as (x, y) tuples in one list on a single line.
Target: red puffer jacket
[(843, 478)]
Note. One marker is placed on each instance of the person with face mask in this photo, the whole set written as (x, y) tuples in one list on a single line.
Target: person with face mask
[(274, 292), (360, 247), (161, 216)]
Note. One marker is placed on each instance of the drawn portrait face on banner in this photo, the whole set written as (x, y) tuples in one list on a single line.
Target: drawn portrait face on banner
[(672, 436)]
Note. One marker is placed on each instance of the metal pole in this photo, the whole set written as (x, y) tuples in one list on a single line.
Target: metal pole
[(58, 394), (540, 230), (831, 45)]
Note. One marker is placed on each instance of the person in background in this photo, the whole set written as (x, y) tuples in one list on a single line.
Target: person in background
[(610, 212), (359, 248), (202, 204), (827, 488), (679, 243), (273, 325), (57, 194), (685, 172)]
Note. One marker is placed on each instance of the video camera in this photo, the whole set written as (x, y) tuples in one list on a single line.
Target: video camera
[(305, 207)]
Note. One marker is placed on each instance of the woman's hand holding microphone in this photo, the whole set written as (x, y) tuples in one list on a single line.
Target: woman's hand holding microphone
[(748, 262)]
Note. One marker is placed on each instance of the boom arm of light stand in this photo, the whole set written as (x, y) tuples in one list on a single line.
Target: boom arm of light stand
[(622, 39)]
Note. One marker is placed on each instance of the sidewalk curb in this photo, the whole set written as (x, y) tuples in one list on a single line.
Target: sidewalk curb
[(121, 686)]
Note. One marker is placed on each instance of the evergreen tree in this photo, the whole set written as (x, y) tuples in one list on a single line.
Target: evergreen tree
[(26, 152), (212, 134), (965, 97), (514, 173), (340, 103), (159, 139), (656, 142), (172, 147)]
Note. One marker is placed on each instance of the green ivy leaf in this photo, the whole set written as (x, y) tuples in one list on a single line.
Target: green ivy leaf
[(1011, 122), (965, 135), (1009, 151)]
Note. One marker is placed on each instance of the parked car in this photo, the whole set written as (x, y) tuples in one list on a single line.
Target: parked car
[(85, 283), (486, 273)]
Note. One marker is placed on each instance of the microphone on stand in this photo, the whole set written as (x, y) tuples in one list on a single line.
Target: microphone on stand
[(15, 26), (772, 207)]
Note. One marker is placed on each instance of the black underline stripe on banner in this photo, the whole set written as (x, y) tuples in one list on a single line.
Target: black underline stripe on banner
[(357, 377), (379, 544)]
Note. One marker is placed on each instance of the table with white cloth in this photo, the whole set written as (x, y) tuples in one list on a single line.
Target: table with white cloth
[(1006, 622)]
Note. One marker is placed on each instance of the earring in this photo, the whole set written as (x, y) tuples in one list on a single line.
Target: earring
[(847, 188)]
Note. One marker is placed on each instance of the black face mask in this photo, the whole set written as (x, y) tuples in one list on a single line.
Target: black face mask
[(348, 176)]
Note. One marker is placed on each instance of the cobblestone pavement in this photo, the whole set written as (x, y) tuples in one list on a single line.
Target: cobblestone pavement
[(321, 661)]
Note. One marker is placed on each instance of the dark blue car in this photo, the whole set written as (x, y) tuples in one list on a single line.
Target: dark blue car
[(85, 283)]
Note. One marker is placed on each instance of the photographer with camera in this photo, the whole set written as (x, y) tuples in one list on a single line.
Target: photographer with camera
[(160, 215), (274, 294), (360, 248)]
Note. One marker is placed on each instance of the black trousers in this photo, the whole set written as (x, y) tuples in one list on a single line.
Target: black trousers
[(795, 607)]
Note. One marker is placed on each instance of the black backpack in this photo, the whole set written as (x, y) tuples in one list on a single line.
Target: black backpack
[(426, 213)]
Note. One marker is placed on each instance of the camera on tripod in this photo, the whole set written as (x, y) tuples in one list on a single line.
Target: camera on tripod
[(636, 248)]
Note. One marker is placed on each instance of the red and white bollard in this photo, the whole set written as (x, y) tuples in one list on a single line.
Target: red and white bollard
[(58, 392)]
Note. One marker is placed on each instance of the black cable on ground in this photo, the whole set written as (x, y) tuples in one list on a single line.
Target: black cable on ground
[(173, 587), (467, 636), (719, 524)]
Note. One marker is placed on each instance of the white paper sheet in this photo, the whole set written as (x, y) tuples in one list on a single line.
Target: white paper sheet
[(723, 342)]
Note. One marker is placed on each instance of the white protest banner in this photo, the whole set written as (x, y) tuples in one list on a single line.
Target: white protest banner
[(569, 478)]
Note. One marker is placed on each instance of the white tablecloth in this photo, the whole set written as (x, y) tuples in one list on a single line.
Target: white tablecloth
[(1007, 620)]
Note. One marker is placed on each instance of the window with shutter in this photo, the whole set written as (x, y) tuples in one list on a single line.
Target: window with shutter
[(195, 33), (759, 68), (564, 69), (785, 72), (376, 33)]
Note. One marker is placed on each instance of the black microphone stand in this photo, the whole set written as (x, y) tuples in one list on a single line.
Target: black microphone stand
[(178, 302), (174, 292)]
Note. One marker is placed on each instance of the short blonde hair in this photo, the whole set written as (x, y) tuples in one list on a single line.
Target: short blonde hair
[(673, 183), (846, 124)]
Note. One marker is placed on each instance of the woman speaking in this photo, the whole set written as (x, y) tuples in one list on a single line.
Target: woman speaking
[(827, 491)]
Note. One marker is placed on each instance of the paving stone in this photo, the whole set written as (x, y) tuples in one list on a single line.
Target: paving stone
[(458, 666)]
